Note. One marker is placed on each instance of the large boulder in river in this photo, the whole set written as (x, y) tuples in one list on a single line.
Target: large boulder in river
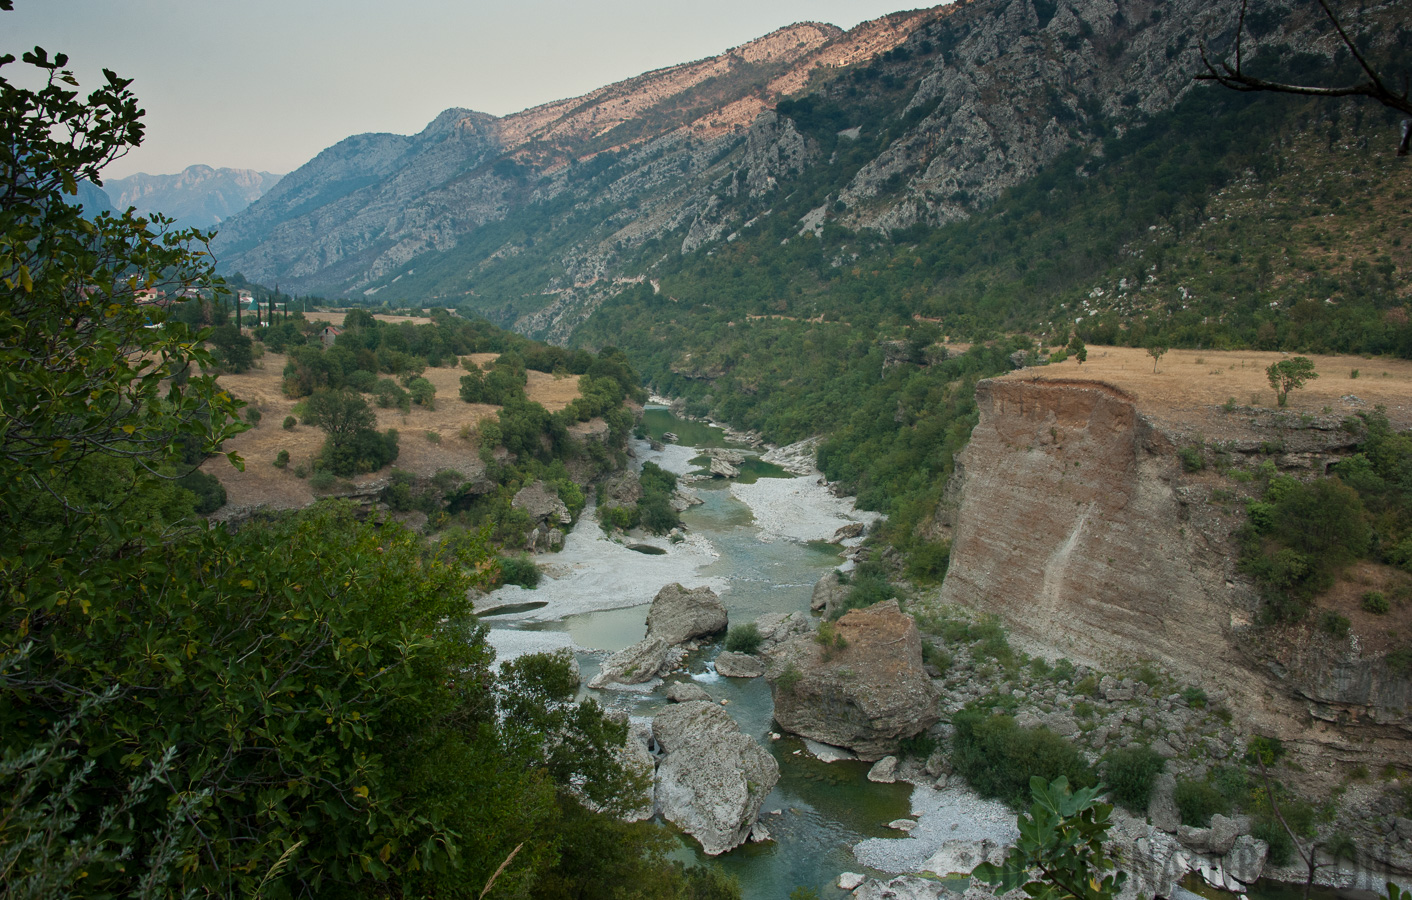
[(678, 615), (713, 779), (738, 665), (641, 662), (865, 689)]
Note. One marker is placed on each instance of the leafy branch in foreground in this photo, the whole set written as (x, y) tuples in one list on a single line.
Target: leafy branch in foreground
[(1235, 77), (1061, 837), (91, 364)]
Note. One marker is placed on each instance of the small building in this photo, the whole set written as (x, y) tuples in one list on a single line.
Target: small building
[(329, 335)]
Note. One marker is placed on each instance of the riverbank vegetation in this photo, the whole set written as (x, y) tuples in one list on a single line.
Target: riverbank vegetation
[(302, 706)]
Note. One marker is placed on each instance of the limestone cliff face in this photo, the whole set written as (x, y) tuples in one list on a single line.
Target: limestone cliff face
[(1077, 526), (1070, 528)]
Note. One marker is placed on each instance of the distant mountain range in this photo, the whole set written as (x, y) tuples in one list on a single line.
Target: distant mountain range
[(197, 197)]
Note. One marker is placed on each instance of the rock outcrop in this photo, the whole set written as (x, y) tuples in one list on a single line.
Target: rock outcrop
[(712, 779), (829, 591), (866, 690), (641, 662), (738, 665), (542, 504), (678, 615)]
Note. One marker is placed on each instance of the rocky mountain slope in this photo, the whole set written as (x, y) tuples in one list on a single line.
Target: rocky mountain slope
[(197, 197), (357, 215), (933, 113)]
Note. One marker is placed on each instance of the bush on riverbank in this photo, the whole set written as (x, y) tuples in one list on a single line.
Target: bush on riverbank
[(998, 757), (1130, 773)]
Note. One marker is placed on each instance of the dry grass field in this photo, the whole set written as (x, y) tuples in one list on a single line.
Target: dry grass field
[(1190, 386), (336, 317), (261, 484)]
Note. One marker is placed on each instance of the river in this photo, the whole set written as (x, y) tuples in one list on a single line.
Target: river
[(759, 542)]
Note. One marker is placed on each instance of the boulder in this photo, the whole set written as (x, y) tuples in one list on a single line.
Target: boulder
[(712, 779), (722, 469), (867, 691), (1162, 807), (686, 691), (641, 662), (776, 628), (847, 881), (622, 489), (1114, 690), (1198, 839), (905, 825), (903, 887), (1061, 723), (684, 499), (828, 593), (1224, 832), (884, 771), (542, 504), (1245, 862), (1154, 861), (677, 615), (738, 665), (848, 532), (960, 857)]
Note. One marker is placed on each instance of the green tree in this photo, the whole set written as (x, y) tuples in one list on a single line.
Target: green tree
[(1290, 374), (1077, 349), (1061, 837), (423, 392), (303, 706), (1156, 351), (86, 371)]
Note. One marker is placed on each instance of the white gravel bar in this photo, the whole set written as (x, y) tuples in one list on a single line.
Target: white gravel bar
[(798, 509), (953, 813)]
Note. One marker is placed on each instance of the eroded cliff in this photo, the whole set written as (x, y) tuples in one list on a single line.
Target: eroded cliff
[(1076, 522)]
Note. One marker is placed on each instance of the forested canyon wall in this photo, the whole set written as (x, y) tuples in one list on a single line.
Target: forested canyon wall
[(1076, 523)]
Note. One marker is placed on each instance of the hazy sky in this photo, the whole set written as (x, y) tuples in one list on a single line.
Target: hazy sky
[(266, 84)]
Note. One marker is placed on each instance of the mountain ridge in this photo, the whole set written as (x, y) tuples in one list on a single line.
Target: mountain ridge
[(199, 196)]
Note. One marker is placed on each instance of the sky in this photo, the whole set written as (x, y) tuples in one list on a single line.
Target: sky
[(267, 84)]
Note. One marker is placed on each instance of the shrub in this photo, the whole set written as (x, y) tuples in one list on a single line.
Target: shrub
[(1273, 833), (301, 471), (519, 570), (290, 422), (1198, 801), (1195, 697), (210, 493), (433, 437), (998, 757), (253, 415), (1130, 774), (789, 679), (1334, 624), (744, 638), (323, 480), (1193, 459), (1088, 686), (830, 638), (422, 392), (1376, 603), (281, 459)]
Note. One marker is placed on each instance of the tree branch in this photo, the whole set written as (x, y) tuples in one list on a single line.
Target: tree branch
[(1235, 78)]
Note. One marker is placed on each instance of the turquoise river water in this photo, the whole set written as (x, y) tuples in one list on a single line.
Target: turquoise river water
[(823, 809)]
